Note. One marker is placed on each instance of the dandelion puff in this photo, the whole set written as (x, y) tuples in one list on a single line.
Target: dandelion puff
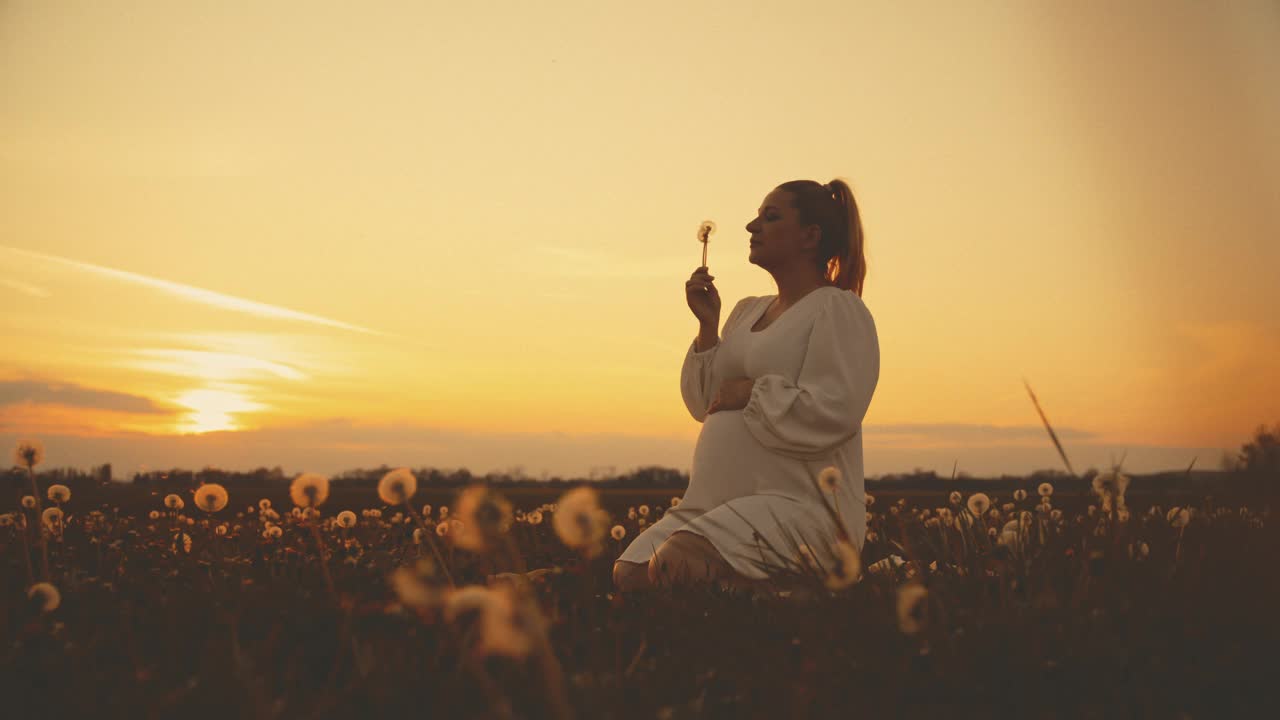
[(28, 453), (535, 517), (45, 595), (275, 531), (211, 497), (869, 500), (59, 493), (221, 529), (1178, 517), (486, 516), (1055, 514), (1007, 507), (847, 568), (579, 522), (397, 486), (442, 529), (1045, 490), (979, 503), (309, 490), (912, 607), (52, 517), (29, 502), (346, 519), (829, 478), (618, 532), (264, 504), (675, 502), (1019, 495), (426, 511), (173, 502), (644, 511)]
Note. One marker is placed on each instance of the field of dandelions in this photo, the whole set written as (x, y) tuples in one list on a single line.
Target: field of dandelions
[(1040, 604)]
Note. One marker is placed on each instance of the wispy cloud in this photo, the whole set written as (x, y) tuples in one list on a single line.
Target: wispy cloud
[(13, 392), (24, 288), (195, 294)]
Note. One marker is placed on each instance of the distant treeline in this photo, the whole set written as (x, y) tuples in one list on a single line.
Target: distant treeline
[(176, 479)]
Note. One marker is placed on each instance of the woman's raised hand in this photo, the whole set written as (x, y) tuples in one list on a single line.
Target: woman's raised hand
[(704, 299)]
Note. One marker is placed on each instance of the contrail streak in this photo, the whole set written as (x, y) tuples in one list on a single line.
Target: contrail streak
[(198, 295)]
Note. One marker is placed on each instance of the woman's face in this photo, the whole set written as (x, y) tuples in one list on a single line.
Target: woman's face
[(776, 235)]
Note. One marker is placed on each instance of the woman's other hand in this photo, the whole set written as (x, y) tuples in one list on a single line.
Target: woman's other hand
[(733, 394)]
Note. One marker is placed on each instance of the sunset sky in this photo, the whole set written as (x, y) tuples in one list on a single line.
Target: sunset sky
[(329, 235)]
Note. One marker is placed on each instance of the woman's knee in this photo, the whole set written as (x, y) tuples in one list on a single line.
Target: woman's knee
[(686, 554), (628, 576)]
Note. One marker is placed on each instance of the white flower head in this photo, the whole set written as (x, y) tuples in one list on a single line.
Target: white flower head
[(1045, 490), (309, 490), (1019, 495), (618, 532), (173, 502), (59, 493), (397, 486), (955, 497), (52, 517), (346, 519), (29, 502), (847, 568)]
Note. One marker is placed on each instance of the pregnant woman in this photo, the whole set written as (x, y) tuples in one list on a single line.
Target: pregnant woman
[(780, 396)]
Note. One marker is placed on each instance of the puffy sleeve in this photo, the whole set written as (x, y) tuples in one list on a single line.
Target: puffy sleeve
[(809, 418), (698, 381)]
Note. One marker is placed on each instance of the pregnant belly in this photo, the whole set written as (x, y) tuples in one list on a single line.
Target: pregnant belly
[(728, 462)]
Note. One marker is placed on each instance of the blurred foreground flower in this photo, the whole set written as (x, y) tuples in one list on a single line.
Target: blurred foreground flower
[(912, 607), (485, 516), (848, 566), (579, 521), (309, 490), (414, 586), (507, 623), (46, 596), (397, 486), (829, 478)]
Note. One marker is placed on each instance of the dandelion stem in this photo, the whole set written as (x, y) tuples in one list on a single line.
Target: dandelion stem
[(428, 534), (324, 560), (44, 544)]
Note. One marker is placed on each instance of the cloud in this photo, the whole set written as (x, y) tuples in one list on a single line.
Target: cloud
[(195, 294), (13, 392), (24, 288)]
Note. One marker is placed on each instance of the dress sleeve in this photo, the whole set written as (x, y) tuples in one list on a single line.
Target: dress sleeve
[(809, 418), (698, 381)]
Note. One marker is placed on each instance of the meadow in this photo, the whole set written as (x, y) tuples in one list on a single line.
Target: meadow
[(311, 601)]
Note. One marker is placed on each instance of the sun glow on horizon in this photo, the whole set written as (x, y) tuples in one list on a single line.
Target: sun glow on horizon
[(213, 409)]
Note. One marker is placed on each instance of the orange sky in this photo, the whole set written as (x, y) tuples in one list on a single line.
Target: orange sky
[(459, 237)]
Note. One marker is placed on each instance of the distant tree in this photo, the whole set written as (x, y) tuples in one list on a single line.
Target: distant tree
[(1259, 460)]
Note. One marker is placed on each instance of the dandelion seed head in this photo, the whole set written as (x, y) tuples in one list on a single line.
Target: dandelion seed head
[(59, 493), (52, 517), (1019, 495), (869, 500), (1178, 517), (829, 478), (644, 511), (675, 501), (979, 503), (45, 595), (618, 532), (579, 522), (29, 502), (442, 529), (275, 531), (486, 516), (1045, 489), (912, 607), (28, 453), (346, 519), (535, 517), (211, 497), (397, 486), (264, 504), (847, 568), (220, 530), (955, 497), (705, 230), (173, 502), (309, 490)]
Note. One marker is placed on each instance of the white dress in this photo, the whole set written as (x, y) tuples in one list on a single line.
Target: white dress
[(815, 368)]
